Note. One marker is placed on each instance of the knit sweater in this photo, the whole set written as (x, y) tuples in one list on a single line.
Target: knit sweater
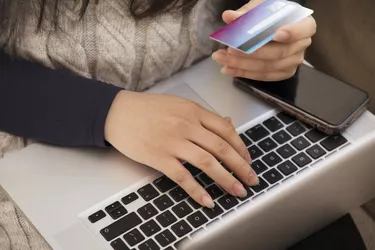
[(109, 45)]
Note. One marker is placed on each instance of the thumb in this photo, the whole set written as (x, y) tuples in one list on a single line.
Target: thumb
[(231, 15)]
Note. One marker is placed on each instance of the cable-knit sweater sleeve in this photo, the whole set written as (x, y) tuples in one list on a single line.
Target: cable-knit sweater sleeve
[(52, 106)]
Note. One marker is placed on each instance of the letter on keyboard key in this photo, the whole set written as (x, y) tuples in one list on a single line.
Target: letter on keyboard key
[(119, 245), (286, 151), (255, 152), (147, 211), (212, 213), (261, 186), (271, 159), (272, 176), (150, 228), (163, 202), (214, 191), (134, 237), (316, 151), (164, 184), (287, 168), (166, 218), (301, 160), (197, 219), (267, 144), (165, 238), (257, 133), (182, 209), (228, 201), (259, 167), (296, 129), (149, 245), (181, 228), (121, 226), (300, 143), (178, 194), (148, 192), (281, 137)]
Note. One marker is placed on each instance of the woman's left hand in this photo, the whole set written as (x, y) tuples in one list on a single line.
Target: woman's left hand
[(278, 60)]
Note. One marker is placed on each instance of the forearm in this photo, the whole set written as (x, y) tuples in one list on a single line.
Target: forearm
[(52, 106)]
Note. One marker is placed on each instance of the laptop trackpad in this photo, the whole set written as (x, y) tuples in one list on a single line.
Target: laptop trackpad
[(185, 91)]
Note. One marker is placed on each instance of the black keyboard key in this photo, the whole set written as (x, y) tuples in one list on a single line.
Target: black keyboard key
[(257, 133), (250, 194), (300, 143), (273, 124), (193, 170), (178, 194), (150, 228), (316, 151), (272, 176), (165, 219), (149, 245), (163, 202), (119, 245), (287, 119), (286, 151), (245, 140), (182, 209), (169, 248), (214, 212), (134, 237), (259, 167), (129, 198), (193, 203), (214, 191), (333, 142), (267, 144), (164, 184), (181, 228), (121, 226), (206, 179), (113, 206), (97, 216), (228, 201), (118, 212), (165, 238), (147, 211), (197, 219), (296, 129), (148, 192), (315, 135), (287, 168), (255, 152), (271, 159), (199, 181), (301, 160), (281, 137), (261, 186)]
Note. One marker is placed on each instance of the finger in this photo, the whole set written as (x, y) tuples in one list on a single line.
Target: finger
[(222, 150), (174, 170), (258, 75), (226, 131), (296, 31), (231, 15), (262, 65), (272, 51), (205, 161)]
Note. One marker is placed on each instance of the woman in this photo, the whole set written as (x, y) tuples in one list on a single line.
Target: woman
[(58, 94)]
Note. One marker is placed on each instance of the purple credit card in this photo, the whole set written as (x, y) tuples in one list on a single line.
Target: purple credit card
[(258, 26)]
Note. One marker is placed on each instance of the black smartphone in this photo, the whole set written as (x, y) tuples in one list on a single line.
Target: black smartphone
[(313, 97)]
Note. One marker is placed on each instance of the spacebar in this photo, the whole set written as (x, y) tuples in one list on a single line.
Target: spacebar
[(121, 226)]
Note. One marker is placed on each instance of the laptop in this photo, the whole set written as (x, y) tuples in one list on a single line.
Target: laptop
[(97, 199)]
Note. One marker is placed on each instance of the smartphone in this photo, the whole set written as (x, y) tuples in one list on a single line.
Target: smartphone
[(313, 97)]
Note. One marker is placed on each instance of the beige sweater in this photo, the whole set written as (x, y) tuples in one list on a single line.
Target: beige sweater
[(111, 46)]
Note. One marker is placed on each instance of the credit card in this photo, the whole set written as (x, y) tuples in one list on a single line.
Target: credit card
[(258, 26)]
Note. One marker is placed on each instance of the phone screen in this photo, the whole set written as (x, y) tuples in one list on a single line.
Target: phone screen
[(316, 93)]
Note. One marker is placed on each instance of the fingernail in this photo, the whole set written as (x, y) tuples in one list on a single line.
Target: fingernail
[(223, 70), (248, 157), (208, 202), (239, 190), (253, 178), (282, 35), (219, 57)]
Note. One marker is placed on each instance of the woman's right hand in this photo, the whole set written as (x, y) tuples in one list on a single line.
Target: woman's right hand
[(160, 131)]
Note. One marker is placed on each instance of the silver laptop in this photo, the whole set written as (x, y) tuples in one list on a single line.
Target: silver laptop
[(88, 199)]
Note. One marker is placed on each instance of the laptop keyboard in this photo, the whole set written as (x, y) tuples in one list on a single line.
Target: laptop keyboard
[(279, 147)]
